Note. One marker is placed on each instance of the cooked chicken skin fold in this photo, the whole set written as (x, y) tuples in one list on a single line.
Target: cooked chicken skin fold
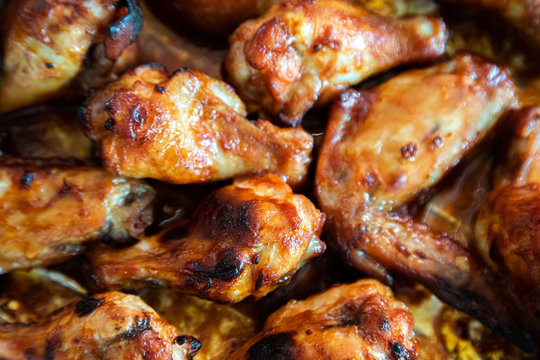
[(51, 45), (522, 14), (102, 327), (304, 52), (507, 231), (48, 213), (385, 146), (245, 239), (356, 321), (187, 128)]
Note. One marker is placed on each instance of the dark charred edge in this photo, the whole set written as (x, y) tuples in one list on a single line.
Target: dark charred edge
[(400, 352), (193, 344), (50, 348), (66, 189), (87, 306), (159, 89), (182, 70), (124, 31), (272, 347), (83, 115), (228, 268), (26, 179), (141, 325)]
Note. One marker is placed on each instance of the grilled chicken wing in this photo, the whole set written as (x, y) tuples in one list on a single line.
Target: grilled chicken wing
[(106, 326), (507, 231), (243, 240), (50, 45), (185, 128), (355, 321), (304, 52), (522, 14), (48, 213), (384, 147)]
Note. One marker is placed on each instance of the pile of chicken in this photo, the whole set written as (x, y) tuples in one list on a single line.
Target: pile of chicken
[(279, 198)]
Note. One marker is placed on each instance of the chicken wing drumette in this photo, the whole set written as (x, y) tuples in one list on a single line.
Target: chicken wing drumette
[(301, 53), (384, 147), (185, 128), (245, 239), (507, 231), (48, 213), (105, 326), (51, 45), (355, 321)]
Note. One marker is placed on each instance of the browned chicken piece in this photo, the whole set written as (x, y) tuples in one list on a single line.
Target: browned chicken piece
[(244, 240), (102, 327), (507, 231), (386, 146), (48, 213), (187, 128), (356, 321), (44, 133), (49, 46), (305, 52), (215, 17), (522, 14)]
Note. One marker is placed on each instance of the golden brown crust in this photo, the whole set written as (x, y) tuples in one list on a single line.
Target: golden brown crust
[(243, 240), (356, 321), (104, 326), (186, 128), (47, 44), (301, 53), (49, 213), (385, 146)]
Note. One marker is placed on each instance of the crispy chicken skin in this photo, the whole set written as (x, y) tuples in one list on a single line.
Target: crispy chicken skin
[(245, 239), (507, 231), (384, 147), (356, 321), (49, 212), (105, 326), (187, 128), (305, 52), (48, 45), (522, 14)]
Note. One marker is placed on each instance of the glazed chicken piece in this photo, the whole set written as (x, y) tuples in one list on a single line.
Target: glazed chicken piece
[(50, 46), (356, 321), (386, 146), (49, 212), (245, 239), (187, 128), (507, 231), (105, 326), (522, 14), (305, 52)]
